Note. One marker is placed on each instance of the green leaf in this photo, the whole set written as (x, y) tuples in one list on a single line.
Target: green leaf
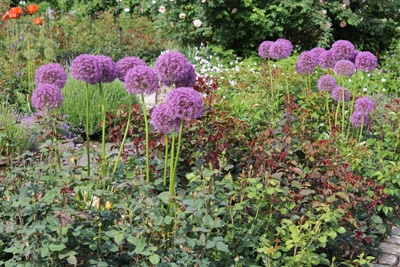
[(376, 219), (56, 247), (72, 259), (221, 246), (165, 196), (119, 236), (154, 259), (44, 252)]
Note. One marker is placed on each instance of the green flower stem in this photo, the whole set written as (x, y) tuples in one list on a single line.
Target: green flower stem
[(103, 130), (361, 129), (56, 151), (179, 147), (337, 111), (328, 114), (123, 142), (171, 169), (166, 159), (147, 139), (87, 130)]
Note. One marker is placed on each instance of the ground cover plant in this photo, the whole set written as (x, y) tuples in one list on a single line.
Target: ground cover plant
[(283, 158)]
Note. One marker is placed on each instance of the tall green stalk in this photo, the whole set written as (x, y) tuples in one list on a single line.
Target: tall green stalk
[(146, 125), (103, 130), (87, 130)]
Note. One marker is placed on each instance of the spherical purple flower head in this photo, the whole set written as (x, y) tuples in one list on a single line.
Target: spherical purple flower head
[(173, 68), (109, 67), (337, 94), (47, 96), (317, 52), (353, 56), (364, 104), (51, 73), (327, 59), (127, 63), (263, 49), (86, 68), (342, 49), (141, 80), (344, 68), (359, 119), (185, 103), (306, 63), (366, 61), (281, 48), (164, 120), (326, 83)]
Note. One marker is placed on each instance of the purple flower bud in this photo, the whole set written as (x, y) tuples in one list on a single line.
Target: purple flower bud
[(342, 49), (110, 70), (344, 68), (51, 73), (364, 104), (326, 83), (141, 80), (366, 61), (86, 68), (127, 63), (280, 49), (263, 49), (185, 103), (306, 63), (47, 96), (337, 94), (359, 119), (164, 120), (173, 68)]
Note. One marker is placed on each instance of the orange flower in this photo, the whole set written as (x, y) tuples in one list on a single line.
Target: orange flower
[(38, 21), (12, 14), (5, 16), (32, 8), (17, 10)]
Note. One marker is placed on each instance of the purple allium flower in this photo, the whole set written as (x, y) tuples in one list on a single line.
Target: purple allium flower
[(164, 120), (344, 68), (364, 104), (366, 61), (317, 52), (185, 103), (263, 49), (306, 63), (47, 96), (359, 119), (51, 73), (342, 49), (353, 56), (173, 68), (127, 63), (110, 70), (141, 80), (337, 94), (86, 68), (327, 59), (326, 83), (281, 48)]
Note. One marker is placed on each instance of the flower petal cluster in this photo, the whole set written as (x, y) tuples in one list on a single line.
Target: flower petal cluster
[(185, 103), (38, 21), (173, 68), (141, 80), (263, 49), (306, 63), (281, 48), (344, 68), (86, 68), (337, 94), (326, 83), (46, 96), (127, 63), (32, 8), (317, 52), (359, 119), (109, 69), (164, 120), (342, 49), (364, 104), (366, 61), (52, 73), (327, 59)]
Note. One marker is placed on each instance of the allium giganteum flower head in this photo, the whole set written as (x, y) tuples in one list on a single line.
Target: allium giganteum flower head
[(344, 68), (164, 120), (263, 49), (173, 68), (127, 63), (359, 119), (141, 80), (51, 73), (281, 48), (306, 63), (47, 96), (317, 51), (327, 59), (326, 83), (338, 92), (366, 61), (185, 103), (342, 49), (86, 68), (364, 104), (109, 69)]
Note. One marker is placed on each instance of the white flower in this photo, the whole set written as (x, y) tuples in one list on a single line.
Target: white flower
[(203, 1), (197, 23), (182, 15), (383, 80), (154, 1), (161, 9), (365, 89), (383, 89)]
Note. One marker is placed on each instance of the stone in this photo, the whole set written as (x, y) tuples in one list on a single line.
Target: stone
[(390, 248), (395, 239), (387, 259), (396, 231)]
